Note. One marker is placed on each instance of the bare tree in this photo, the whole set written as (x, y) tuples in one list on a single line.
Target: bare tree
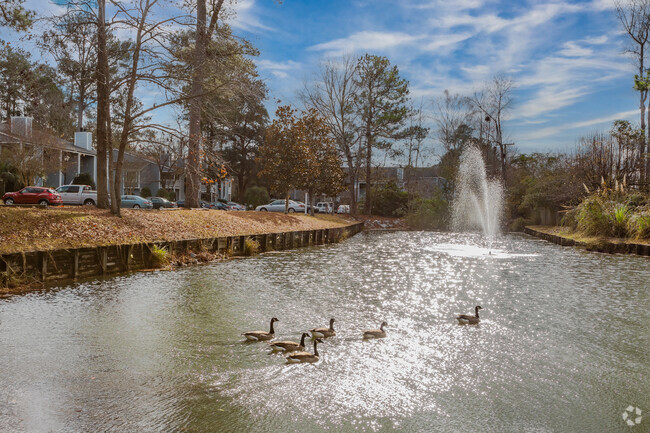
[(449, 113), (333, 96), (494, 102), (634, 16)]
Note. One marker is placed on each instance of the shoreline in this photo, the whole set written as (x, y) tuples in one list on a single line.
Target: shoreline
[(42, 247), (564, 236)]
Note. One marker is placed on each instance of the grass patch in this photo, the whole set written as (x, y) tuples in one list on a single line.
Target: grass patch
[(251, 247), (160, 257)]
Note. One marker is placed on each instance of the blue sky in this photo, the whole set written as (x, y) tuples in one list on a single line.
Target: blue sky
[(566, 57)]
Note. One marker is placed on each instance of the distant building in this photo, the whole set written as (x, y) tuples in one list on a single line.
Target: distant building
[(60, 161)]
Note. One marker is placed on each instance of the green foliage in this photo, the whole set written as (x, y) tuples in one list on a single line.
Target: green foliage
[(591, 217), (639, 224), (159, 257), (389, 201), (431, 214), (14, 15), (251, 247), (256, 196), (619, 221), (84, 179), (169, 195), (145, 192)]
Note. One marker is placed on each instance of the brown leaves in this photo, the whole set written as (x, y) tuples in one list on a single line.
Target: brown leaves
[(25, 229)]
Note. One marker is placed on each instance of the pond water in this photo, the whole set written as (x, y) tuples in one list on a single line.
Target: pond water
[(562, 344)]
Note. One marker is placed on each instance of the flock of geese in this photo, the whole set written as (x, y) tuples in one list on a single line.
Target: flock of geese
[(295, 352)]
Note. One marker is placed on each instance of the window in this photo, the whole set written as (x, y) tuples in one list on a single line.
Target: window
[(73, 189), (63, 189)]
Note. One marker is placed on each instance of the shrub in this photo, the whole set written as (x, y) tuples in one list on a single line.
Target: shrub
[(164, 193), (639, 224), (570, 218), (256, 196), (431, 214), (591, 217), (159, 257), (519, 224), (84, 179), (251, 247), (619, 219), (389, 201), (145, 192)]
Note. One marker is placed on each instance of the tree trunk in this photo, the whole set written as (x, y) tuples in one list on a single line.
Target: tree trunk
[(286, 203), (192, 168), (368, 204), (102, 102)]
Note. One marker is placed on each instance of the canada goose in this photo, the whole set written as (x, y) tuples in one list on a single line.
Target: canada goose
[(324, 332), (300, 357), (375, 333), (289, 346), (261, 335), (465, 319)]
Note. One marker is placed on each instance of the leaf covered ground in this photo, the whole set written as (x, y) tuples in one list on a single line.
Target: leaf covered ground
[(33, 229)]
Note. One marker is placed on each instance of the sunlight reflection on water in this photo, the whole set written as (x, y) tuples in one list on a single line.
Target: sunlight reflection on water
[(163, 351)]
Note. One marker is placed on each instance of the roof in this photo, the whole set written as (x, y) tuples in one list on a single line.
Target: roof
[(41, 138)]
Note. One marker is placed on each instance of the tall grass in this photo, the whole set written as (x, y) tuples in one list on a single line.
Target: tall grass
[(159, 257)]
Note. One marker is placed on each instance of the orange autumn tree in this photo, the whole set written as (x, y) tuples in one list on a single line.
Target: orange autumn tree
[(282, 155), (299, 152), (324, 174)]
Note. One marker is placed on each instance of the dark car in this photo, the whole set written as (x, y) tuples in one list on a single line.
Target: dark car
[(33, 195), (235, 206), (219, 206), (159, 202), (202, 204)]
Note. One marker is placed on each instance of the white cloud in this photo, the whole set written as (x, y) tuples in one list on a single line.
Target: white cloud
[(552, 130), (365, 41), (245, 17)]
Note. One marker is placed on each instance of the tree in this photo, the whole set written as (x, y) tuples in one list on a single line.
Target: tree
[(32, 89), (493, 103), (72, 41), (192, 168), (634, 16), (14, 15), (450, 112), (239, 131), (334, 97), (283, 154), (380, 103), (102, 78), (321, 171), (414, 135)]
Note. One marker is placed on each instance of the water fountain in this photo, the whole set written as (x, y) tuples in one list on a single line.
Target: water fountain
[(478, 201)]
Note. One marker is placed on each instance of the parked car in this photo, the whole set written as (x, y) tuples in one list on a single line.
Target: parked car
[(77, 194), (235, 206), (136, 202), (159, 202), (325, 207), (219, 206), (33, 195), (344, 208), (202, 204), (279, 205)]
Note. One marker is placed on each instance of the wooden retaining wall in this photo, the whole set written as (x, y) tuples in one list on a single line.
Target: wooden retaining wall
[(602, 246), (69, 264)]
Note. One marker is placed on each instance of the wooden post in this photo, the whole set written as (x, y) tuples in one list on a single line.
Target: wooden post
[(43, 265), (103, 258), (75, 269)]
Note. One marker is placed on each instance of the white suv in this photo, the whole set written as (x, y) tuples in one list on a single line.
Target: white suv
[(325, 207)]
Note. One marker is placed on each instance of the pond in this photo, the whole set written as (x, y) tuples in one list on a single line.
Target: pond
[(562, 344)]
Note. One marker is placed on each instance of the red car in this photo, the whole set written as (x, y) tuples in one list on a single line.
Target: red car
[(33, 195)]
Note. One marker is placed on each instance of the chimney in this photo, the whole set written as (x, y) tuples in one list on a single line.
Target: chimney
[(21, 126), (83, 140)]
